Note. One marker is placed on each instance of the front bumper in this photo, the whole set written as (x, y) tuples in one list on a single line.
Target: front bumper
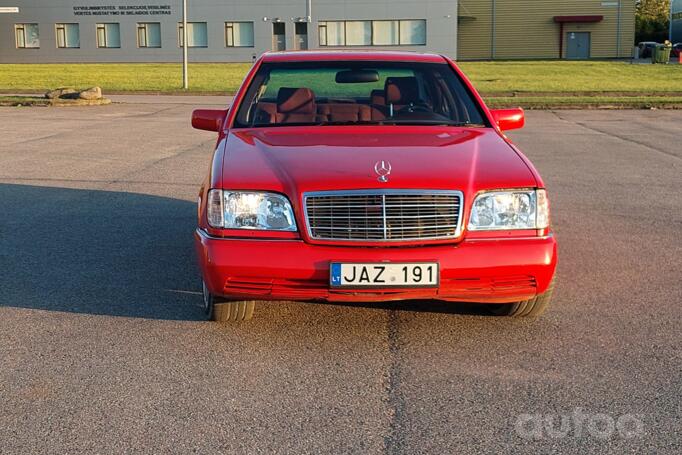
[(487, 271)]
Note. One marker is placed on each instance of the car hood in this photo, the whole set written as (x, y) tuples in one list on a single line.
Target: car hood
[(294, 160)]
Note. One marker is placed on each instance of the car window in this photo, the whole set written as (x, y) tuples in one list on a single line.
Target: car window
[(357, 93), (322, 82)]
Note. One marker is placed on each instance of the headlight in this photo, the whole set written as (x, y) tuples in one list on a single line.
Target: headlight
[(500, 210), (250, 210)]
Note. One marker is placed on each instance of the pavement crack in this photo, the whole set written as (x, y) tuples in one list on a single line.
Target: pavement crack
[(178, 153), (627, 139), (39, 138), (556, 114), (617, 136), (394, 442), (151, 114), (107, 182)]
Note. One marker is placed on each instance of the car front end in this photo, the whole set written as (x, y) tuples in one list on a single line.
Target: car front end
[(375, 210)]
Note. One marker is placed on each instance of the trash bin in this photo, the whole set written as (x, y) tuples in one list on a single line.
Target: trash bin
[(661, 54)]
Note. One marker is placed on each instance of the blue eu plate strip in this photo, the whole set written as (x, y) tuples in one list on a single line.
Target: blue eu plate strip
[(336, 274)]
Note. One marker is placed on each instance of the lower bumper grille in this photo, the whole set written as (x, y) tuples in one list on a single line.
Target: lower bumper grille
[(498, 289), (383, 216)]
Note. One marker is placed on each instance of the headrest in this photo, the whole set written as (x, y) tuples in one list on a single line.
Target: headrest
[(402, 90), (296, 100), (378, 97)]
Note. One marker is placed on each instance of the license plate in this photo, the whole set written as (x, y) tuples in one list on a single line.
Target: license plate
[(384, 275)]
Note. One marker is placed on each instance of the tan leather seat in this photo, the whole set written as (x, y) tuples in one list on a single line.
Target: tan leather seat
[(337, 112), (377, 97), (341, 112), (296, 105), (265, 113), (401, 91)]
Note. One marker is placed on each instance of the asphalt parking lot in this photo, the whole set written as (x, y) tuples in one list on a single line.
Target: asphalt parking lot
[(103, 348)]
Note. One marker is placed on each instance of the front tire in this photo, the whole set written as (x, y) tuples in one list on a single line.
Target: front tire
[(221, 310), (530, 308)]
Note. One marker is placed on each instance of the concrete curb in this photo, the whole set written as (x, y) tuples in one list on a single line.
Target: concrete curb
[(38, 101)]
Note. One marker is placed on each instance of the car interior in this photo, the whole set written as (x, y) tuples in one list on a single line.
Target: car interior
[(421, 97)]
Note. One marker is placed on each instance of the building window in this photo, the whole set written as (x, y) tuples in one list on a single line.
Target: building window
[(373, 33), (322, 32), (358, 33), (386, 33), (334, 33), (109, 35), (27, 36), (413, 33), (238, 34), (68, 36), (197, 34), (148, 34)]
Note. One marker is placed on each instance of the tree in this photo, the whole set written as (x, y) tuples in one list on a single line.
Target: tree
[(653, 9), (652, 20)]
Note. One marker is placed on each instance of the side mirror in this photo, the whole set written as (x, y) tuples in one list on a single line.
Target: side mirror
[(208, 119), (509, 119)]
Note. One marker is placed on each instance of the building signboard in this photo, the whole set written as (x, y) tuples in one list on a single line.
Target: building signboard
[(122, 10)]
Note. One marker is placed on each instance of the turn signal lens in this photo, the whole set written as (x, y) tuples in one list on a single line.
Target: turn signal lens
[(215, 209), (543, 209)]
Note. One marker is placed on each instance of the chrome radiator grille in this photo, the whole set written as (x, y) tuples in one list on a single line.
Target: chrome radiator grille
[(383, 216)]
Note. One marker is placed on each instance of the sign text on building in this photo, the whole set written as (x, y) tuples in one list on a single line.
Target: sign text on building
[(122, 10)]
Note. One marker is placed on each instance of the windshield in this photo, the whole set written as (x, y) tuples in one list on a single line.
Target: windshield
[(357, 93)]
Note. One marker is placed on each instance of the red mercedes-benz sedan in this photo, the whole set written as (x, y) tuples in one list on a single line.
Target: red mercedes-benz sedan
[(369, 176)]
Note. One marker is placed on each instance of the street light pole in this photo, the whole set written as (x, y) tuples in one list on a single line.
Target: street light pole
[(185, 76), (618, 30)]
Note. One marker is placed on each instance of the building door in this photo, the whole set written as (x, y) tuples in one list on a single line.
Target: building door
[(301, 38), (279, 39), (578, 45)]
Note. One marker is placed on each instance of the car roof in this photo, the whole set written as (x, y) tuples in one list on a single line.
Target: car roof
[(316, 56)]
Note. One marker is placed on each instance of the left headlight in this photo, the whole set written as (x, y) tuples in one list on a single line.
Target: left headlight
[(250, 210), (501, 210)]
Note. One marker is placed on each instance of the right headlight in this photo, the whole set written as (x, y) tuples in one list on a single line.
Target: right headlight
[(504, 210), (250, 210)]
